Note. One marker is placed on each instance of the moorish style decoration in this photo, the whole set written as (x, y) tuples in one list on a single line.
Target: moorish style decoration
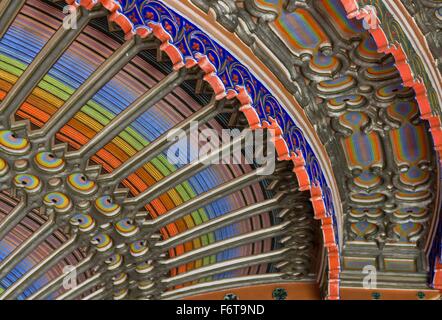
[(348, 91)]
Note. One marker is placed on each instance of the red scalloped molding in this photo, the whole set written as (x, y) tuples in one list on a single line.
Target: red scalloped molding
[(437, 279), (368, 14), (250, 113)]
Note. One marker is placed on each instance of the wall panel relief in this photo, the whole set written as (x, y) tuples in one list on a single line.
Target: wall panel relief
[(381, 148)]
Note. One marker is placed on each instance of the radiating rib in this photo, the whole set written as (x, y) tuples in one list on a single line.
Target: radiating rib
[(8, 12), (96, 295), (222, 284), (220, 222), (182, 174), (39, 270), (56, 283), (225, 266), (42, 63), (159, 145), (205, 198), (105, 72), (14, 217), (25, 248), (81, 288), (127, 116), (213, 248)]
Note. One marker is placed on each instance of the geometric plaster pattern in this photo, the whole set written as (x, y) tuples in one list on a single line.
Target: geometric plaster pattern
[(118, 214), (360, 92)]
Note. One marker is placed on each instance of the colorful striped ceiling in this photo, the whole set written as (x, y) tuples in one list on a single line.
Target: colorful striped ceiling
[(32, 28)]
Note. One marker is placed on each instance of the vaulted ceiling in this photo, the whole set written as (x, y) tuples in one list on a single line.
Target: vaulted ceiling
[(352, 95)]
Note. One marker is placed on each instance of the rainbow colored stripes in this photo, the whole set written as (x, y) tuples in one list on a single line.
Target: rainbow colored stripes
[(300, 30), (410, 142)]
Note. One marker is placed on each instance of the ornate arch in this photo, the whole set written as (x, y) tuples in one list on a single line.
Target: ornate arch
[(372, 182)]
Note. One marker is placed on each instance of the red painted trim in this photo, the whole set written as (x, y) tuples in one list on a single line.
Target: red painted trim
[(123, 22), (368, 14), (278, 140), (437, 280), (110, 5)]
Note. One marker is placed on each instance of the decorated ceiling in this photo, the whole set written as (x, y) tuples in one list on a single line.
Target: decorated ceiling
[(349, 92)]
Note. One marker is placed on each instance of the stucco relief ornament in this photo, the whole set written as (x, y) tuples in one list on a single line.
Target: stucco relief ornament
[(264, 10), (371, 20)]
